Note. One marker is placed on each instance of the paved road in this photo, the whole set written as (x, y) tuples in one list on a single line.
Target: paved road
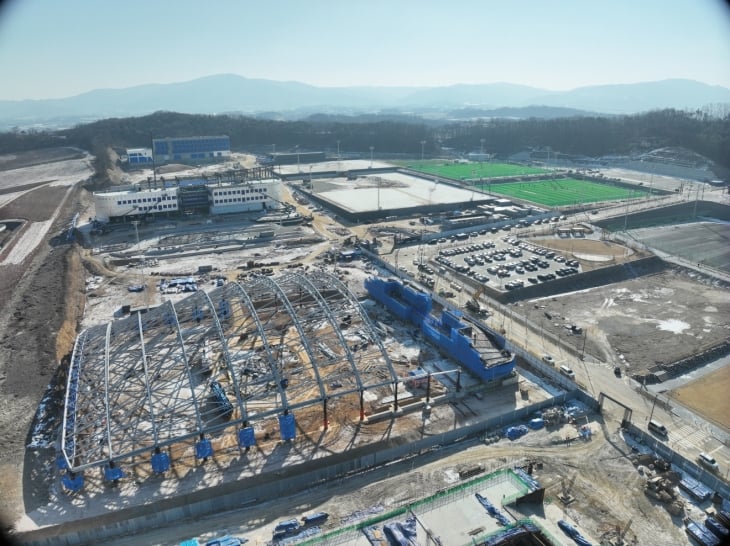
[(689, 434)]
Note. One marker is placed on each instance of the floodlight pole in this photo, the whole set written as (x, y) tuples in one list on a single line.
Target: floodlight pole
[(338, 150), (423, 143), (481, 149), (379, 193), (371, 156)]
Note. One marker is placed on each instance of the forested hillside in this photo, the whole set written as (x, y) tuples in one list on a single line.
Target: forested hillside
[(593, 136)]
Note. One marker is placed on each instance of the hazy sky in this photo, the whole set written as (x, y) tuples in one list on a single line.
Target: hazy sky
[(59, 48)]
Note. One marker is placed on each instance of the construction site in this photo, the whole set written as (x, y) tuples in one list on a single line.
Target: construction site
[(221, 373)]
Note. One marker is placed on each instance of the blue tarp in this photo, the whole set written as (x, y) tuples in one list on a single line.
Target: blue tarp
[(531, 482), (695, 489), (515, 432), (701, 534), (536, 424), (492, 510), (573, 533), (717, 528), (401, 534)]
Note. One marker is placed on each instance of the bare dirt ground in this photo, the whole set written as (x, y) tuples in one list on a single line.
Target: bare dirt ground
[(641, 322), (708, 396), (39, 309), (592, 253)]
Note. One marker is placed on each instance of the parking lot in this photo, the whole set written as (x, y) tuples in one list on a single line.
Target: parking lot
[(503, 263)]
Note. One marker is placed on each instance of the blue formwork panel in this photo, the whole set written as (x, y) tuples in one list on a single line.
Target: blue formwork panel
[(113, 473), (203, 449), (160, 462), (246, 437), (61, 463), (287, 426), (73, 482)]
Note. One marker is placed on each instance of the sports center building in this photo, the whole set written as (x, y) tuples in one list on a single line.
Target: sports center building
[(191, 149), (237, 192)]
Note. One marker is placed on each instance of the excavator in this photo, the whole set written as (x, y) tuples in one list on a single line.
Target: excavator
[(475, 306)]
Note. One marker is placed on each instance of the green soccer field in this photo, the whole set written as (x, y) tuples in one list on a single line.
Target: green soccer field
[(462, 171), (565, 191)]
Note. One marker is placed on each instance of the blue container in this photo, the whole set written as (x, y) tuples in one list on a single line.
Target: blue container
[(246, 437), (160, 462), (287, 426), (203, 449), (73, 482), (113, 473)]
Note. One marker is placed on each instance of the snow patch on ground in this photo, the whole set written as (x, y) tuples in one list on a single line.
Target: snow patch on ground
[(672, 325), (28, 242)]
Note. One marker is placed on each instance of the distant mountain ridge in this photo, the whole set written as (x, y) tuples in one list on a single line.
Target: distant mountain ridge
[(229, 93)]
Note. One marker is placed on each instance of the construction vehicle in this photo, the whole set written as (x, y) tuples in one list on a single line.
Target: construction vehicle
[(566, 487), (475, 306)]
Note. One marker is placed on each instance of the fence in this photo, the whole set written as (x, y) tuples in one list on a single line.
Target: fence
[(711, 480)]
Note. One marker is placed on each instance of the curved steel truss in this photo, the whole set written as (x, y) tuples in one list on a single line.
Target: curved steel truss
[(216, 361)]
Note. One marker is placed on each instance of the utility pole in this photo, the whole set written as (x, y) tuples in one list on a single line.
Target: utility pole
[(653, 406)]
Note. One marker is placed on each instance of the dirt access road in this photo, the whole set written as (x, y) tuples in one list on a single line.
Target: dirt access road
[(40, 299)]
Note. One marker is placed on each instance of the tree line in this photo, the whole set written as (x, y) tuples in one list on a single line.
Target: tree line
[(595, 136)]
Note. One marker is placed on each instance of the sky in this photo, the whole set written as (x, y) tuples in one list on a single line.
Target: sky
[(61, 48)]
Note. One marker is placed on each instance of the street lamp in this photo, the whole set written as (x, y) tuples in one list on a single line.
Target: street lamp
[(481, 149), (371, 156), (338, 150), (423, 143), (297, 149)]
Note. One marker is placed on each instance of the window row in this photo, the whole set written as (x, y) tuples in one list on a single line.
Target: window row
[(216, 193), (147, 200), (238, 199)]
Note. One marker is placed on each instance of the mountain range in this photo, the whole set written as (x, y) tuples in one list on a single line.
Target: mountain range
[(229, 93)]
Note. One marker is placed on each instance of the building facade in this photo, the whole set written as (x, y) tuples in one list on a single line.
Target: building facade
[(191, 149), (139, 157), (213, 198)]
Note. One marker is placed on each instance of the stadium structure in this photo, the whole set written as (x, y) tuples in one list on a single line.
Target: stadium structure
[(191, 149), (244, 190), (215, 364)]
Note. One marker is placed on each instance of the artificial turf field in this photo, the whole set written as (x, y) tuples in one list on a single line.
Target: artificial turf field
[(460, 171), (564, 191)]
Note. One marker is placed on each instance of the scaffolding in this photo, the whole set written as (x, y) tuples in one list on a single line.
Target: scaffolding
[(218, 362)]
